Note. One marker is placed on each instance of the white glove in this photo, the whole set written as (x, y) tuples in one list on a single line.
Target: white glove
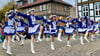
[(60, 17), (44, 17), (16, 10)]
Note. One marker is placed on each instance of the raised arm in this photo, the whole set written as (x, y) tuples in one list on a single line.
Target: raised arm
[(16, 20), (23, 15), (12, 16)]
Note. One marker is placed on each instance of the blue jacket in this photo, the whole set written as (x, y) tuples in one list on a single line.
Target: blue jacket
[(31, 18)]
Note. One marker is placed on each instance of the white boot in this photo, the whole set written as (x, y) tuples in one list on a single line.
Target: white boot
[(22, 36), (92, 36), (68, 44), (39, 36), (4, 44), (81, 39), (22, 39), (32, 48), (13, 39), (59, 37), (85, 37), (47, 39), (73, 37), (9, 50), (17, 38), (52, 46)]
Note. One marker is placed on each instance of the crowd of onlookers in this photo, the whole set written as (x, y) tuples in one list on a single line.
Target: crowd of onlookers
[(1, 31)]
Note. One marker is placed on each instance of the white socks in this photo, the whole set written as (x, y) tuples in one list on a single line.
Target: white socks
[(59, 37), (22, 39), (52, 46), (8, 50), (47, 39), (85, 37), (4, 44), (92, 36), (32, 48), (73, 37), (17, 38), (22, 36), (68, 44), (81, 39), (13, 37), (39, 36)]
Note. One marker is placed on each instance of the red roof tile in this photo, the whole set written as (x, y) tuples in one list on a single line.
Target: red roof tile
[(41, 1)]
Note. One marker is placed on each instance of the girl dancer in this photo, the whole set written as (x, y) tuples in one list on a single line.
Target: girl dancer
[(9, 30), (60, 31), (52, 29), (33, 26), (81, 28), (46, 31), (75, 25), (20, 29), (90, 29), (69, 29)]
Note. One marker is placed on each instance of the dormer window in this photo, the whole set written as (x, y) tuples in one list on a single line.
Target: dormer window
[(20, 3), (30, 1)]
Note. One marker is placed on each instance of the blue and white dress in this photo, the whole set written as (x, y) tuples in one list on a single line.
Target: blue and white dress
[(82, 27), (46, 30), (69, 29), (33, 26), (96, 27), (52, 27), (9, 26), (21, 26), (90, 26)]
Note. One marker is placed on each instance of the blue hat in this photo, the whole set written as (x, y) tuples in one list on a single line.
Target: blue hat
[(30, 10), (81, 17), (10, 11), (85, 17), (75, 19), (52, 16), (68, 17)]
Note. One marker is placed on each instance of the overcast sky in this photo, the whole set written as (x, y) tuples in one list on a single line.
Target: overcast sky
[(4, 2)]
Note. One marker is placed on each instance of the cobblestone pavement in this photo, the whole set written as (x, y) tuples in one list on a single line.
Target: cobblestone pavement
[(43, 48)]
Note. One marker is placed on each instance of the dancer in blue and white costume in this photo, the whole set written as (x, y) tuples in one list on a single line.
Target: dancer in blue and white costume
[(9, 30), (75, 25), (96, 28), (61, 28), (46, 31), (82, 28), (33, 26), (21, 29), (52, 29), (69, 29), (90, 29)]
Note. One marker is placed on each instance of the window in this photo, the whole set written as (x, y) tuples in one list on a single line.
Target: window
[(65, 9), (79, 1), (84, 0), (42, 7), (85, 11), (30, 1), (97, 9), (20, 3)]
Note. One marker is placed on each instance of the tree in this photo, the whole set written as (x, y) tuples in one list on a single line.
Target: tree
[(7, 7)]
